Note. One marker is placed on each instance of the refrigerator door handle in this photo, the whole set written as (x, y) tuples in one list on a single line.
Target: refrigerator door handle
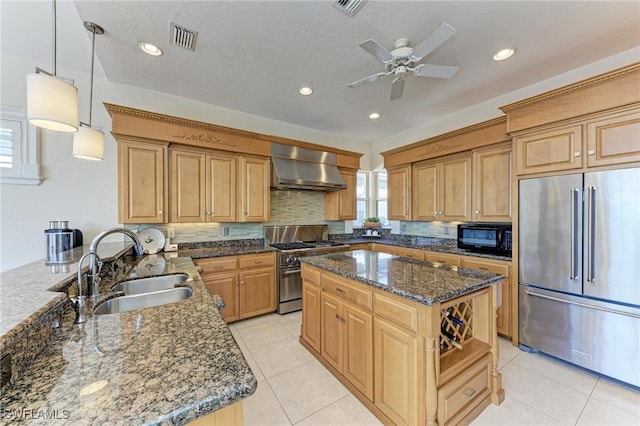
[(591, 234), (574, 234), (584, 305)]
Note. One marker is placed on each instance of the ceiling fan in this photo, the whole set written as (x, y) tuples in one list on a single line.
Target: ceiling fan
[(405, 59)]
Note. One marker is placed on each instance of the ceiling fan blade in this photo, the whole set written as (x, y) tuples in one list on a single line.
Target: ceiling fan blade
[(376, 50), (396, 88), (432, 41), (437, 71), (369, 79)]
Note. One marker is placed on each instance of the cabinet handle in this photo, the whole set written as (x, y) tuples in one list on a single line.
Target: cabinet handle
[(469, 392), (576, 154), (339, 290), (592, 152), (218, 267), (242, 282), (477, 211), (257, 262), (160, 212), (483, 268)]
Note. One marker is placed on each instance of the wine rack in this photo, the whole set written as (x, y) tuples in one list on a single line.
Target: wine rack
[(462, 312)]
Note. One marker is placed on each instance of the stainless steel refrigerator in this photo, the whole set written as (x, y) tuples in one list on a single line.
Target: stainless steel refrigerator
[(579, 270)]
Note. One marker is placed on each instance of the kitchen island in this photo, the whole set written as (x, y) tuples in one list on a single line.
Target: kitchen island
[(415, 342), (170, 364)]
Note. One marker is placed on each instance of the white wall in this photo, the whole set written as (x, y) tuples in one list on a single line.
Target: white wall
[(85, 192)]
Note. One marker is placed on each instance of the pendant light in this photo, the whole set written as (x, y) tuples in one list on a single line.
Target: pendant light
[(88, 143), (52, 103)]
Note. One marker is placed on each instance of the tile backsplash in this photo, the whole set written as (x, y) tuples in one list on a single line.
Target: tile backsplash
[(430, 229)]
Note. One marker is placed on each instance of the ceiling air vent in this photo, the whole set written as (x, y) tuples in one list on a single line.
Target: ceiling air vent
[(350, 7), (182, 36)]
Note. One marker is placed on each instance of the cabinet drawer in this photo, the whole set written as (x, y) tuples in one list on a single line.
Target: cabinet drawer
[(383, 248), (396, 311), (410, 253), (459, 396), (310, 275), (482, 265), (444, 258), (256, 260), (348, 292), (218, 264)]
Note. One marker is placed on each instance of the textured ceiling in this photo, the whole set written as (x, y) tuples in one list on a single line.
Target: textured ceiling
[(253, 56)]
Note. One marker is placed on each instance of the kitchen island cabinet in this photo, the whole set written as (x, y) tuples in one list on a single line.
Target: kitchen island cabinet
[(419, 376)]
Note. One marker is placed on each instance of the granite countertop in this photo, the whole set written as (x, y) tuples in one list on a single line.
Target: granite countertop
[(162, 365), (420, 281), (218, 251), (417, 244)]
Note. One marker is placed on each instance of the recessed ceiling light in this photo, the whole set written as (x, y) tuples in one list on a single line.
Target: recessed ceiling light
[(305, 91), (504, 54), (374, 115), (150, 49)]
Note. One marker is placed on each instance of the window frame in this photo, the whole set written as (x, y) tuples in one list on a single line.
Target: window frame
[(25, 152)]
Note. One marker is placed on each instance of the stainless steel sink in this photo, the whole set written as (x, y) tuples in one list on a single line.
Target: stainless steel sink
[(148, 284), (134, 302)]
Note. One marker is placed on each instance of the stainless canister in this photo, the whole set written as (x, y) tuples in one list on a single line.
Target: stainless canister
[(60, 240)]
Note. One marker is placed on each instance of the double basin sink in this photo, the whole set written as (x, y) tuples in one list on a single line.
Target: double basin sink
[(145, 292)]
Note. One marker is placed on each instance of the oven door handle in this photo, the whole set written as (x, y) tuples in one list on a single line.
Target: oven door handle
[(289, 271)]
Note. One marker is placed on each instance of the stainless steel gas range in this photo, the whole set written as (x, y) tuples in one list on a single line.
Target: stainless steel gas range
[(294, 242)]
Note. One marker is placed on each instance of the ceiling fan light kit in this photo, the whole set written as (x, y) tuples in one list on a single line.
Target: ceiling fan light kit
[(405, 59)]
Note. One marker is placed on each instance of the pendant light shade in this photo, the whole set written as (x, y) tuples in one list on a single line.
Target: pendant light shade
[(88, 144), (52, 103)]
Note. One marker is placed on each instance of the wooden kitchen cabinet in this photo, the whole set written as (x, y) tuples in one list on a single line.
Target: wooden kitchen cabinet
[(203, 187), (346, 341), (503, 312), (399, 193), (341, 205), (311, 315), (614, 139), (255, 179), (492, 184), (442, 189), (383, 248), (410, 253), (247, 284), (444, 258), (555, 149), (142, 181)]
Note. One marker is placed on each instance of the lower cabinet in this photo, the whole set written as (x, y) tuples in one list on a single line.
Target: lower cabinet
[(346, 341), (246, 284), (396, 368)]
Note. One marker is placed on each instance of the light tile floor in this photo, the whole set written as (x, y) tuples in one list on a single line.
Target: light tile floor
[(295, 389)]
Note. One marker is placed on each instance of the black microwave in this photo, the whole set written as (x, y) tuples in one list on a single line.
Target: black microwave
[(491, 238)]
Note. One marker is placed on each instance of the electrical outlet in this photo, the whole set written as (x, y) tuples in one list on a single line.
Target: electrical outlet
[(171, 232)]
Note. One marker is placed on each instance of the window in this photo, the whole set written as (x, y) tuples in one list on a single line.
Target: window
[(362, 196), (18, 148), (381, 196)]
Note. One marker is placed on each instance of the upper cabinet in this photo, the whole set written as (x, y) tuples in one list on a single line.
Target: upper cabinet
[(549, 150), (254, 189), (142, 182), (203, 186), (442, 189), (614, 139), (341, 205), (399, 193), (492, 184)]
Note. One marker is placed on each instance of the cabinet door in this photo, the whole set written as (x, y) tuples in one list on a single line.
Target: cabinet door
[(221, 188), (311, 315), (399, 193), (455, 189), (331, 330), (548, 151), (425, 191), (614, 140), (395, 366), (341, 205), (188, 186), (492, 185), (358, 348), (254, 189), (142, 189), (257, 291), (224, 285), (444, 258)]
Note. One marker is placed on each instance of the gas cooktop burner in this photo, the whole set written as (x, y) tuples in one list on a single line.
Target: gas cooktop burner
[(291, 246)]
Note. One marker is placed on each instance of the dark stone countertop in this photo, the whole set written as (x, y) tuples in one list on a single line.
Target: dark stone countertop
[(420, 281), (168, 364)]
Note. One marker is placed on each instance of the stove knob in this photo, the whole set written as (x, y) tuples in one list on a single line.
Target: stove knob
[(297, 259), (289, 260)]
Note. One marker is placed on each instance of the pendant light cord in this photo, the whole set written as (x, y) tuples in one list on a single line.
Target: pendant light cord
[(93, 49), (54, 39)]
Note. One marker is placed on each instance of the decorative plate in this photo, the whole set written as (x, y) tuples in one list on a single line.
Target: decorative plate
[(152, 240)]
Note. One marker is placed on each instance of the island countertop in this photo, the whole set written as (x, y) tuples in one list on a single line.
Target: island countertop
[(163, 365), (420, 281)]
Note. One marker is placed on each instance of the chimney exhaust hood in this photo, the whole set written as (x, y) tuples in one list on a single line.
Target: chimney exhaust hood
[(294, 167)]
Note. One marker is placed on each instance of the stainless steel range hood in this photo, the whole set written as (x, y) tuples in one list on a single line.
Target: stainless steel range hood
[(294, 167)]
